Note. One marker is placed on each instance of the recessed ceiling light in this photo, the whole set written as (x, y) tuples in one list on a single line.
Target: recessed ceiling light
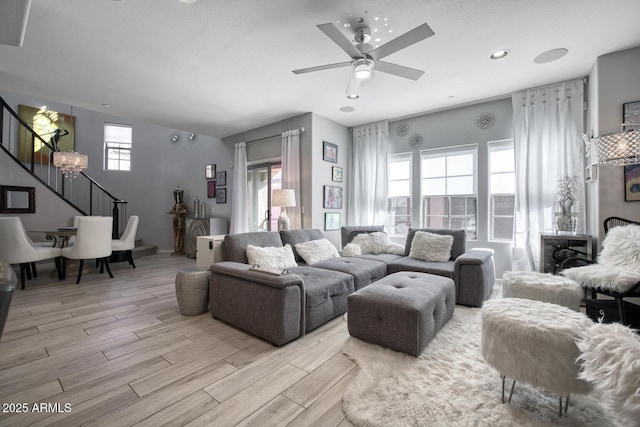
[(353, 96), (347, 109), (187, 1), (550, 56), (376, 18), (106, 105), (391, 31), (498, 54)]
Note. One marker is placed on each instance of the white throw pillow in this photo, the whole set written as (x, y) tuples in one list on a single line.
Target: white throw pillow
[(427, 246), (279, 258), (621, 248), (377, 243), (316, 250), (351, 249)]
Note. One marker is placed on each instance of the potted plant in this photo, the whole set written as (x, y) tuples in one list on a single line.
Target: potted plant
[(567, 189)]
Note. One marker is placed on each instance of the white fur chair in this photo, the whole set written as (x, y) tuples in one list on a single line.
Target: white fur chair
[(610, 361), (93, 240), (127, 241), (16, 248), (617, 271)]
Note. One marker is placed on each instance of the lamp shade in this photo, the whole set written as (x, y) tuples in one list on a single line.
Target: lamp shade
[(616, 149), (284, 198)]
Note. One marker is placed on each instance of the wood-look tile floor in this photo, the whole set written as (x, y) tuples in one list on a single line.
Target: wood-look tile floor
[(117, 352)]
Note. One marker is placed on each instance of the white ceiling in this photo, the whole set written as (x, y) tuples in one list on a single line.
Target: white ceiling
[(221, 67)]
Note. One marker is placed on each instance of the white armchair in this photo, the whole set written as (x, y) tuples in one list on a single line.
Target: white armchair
[(93, 240), (16, 248), (127, 241)]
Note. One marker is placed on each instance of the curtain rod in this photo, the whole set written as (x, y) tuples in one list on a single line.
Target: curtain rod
[(270, 137)]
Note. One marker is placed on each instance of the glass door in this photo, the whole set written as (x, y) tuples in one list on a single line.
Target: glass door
[(261, 180)]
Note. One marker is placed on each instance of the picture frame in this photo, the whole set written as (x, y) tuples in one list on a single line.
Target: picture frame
[(221, 195), (331, 221), (221, 179), (631, 114), (332, 197), (15, 199), (336, 174), (632, 183), (210, 171), (211, 189), (329, 152), (47, 124)]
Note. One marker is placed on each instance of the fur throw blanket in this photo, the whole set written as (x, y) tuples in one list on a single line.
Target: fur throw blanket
[(374, 243), (618, 267)]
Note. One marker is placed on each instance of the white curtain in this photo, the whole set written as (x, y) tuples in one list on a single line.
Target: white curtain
[(291, 173), (368, 181), (239, 200), (548, 123)]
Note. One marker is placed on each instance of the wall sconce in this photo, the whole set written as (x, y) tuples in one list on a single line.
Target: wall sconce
[(615, 149)]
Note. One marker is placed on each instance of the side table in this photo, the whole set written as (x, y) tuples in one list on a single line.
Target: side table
[(192, 291)]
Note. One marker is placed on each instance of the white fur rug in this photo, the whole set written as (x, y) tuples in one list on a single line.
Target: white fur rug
[(450, 384)]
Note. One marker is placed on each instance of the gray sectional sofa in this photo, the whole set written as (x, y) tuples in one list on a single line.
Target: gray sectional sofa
[(281, 308)]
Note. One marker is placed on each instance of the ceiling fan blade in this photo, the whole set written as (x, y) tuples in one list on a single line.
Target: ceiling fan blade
[(399, 70), (322, 67), (338, 38), (353, 86), (407, 39)]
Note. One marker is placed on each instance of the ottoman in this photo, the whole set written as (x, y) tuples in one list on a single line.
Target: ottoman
[(192, 290), (534, 342), (542, 287), (402, 311)]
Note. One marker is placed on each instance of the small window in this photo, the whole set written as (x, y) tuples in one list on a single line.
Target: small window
[(449, 189), (117, 147), (398, 216), (502, 187)]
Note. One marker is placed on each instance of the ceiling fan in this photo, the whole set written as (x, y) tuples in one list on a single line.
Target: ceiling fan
[(365, 58)]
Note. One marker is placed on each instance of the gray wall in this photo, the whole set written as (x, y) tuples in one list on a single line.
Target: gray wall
[(614, 81), (158, 167), (458, 127)]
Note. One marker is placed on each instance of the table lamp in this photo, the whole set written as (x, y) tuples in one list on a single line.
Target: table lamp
[(284, 198)]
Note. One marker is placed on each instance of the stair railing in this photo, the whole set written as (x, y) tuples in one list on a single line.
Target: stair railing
[(35, 155)]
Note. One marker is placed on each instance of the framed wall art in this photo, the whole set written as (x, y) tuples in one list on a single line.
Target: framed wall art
[(210, 171), (17, 199), (221, 195), (632, 183), (211, 189), (329, 152), (336, 174), (631, 114), (331, 221), (57, 129), (332, 197), (221, 179)]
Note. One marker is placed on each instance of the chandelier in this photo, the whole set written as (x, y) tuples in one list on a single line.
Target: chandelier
[(615, 149), (70, 163)]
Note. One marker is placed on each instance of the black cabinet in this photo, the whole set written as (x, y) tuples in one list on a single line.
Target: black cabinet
[(555, 248)]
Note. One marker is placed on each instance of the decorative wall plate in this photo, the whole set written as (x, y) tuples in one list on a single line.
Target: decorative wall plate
[(402, 129), (415, 141), (485, 120)]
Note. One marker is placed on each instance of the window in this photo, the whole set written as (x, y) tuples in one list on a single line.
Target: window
[(398, 217), (502, 185), (449, 189), (117, 147)]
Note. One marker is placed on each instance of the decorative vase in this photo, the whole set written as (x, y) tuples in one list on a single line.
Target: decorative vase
[(565, 217)]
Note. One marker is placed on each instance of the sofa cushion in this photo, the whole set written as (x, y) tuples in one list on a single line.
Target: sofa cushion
[(348, 232), (386, 258), (279, 258), (315, 251), (459, 240), (364, 271), (235, 245), (445, 269), (377, 243), (294, 237), (431, 247)]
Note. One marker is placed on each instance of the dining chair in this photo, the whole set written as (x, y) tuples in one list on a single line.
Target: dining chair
[(127, 241), (17, 249), (93, 240), (72, 239)]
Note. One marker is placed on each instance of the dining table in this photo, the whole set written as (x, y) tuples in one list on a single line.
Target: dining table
[(60, 237)]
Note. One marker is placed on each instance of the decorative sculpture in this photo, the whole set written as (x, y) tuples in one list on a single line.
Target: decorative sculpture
[(567, 188), (179, 211)]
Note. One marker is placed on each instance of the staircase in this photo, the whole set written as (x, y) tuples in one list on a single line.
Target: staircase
[(34, 154)]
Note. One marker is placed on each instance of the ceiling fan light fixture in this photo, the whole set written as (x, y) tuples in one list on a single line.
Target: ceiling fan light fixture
[(363, 69)]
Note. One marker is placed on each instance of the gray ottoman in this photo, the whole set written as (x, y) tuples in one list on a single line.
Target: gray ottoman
[(403, 311)]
